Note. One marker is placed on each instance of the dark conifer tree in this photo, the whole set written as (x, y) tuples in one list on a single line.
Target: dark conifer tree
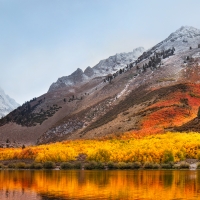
[(198, 114)]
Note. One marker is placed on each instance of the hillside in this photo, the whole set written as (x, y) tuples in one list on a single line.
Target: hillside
[(155, 92)]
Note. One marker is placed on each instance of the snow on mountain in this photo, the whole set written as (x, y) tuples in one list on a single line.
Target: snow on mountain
[(76, 77), (103, 68), (7, 104), (182, 39), (114, 63)]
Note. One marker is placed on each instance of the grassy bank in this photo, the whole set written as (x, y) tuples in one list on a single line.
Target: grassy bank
[(92, 165)]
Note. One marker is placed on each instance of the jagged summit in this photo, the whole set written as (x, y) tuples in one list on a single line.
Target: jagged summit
[(7, 104), (78, 71), (186, 32), (89, 71), (76, 77), (114, 63), (103, 68), (137, 51), (182, 39)]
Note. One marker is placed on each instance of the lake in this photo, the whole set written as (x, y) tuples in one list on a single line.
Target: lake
[(94, 185)]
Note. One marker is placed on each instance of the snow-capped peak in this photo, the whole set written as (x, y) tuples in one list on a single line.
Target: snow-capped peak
[(182, 39), (186, 32), (138, 51), (7, 104), (114, 63)]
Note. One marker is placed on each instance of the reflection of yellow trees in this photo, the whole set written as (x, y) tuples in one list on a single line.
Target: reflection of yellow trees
[(154, 148), (105, 184)]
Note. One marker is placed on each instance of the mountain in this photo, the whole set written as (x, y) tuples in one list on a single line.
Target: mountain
[(183, 38), (7, 104), (152, 93), (104, 67)]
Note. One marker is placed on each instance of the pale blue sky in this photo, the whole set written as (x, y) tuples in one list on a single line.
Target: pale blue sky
[(42, 40)]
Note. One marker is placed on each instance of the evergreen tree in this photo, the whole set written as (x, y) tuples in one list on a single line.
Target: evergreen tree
[(198, 114)]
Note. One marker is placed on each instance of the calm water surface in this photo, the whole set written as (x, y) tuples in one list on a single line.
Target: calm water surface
[(95, 185)]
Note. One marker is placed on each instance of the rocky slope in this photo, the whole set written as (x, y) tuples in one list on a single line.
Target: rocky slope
[(7, 104), (155, 92)]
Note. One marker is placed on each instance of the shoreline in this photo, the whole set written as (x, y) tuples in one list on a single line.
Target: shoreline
[(30, 164)]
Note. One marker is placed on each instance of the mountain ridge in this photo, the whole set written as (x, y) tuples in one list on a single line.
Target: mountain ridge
[(132, 98), (104, 67)]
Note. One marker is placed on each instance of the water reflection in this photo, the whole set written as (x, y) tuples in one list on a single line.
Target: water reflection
[(62, 185)]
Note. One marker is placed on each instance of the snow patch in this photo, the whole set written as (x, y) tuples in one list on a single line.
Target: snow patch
[(125, 90), (196, 55), (182, 39)]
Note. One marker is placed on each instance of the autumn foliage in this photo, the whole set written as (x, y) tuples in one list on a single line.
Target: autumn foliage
[(160, 148), (174, 109)]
